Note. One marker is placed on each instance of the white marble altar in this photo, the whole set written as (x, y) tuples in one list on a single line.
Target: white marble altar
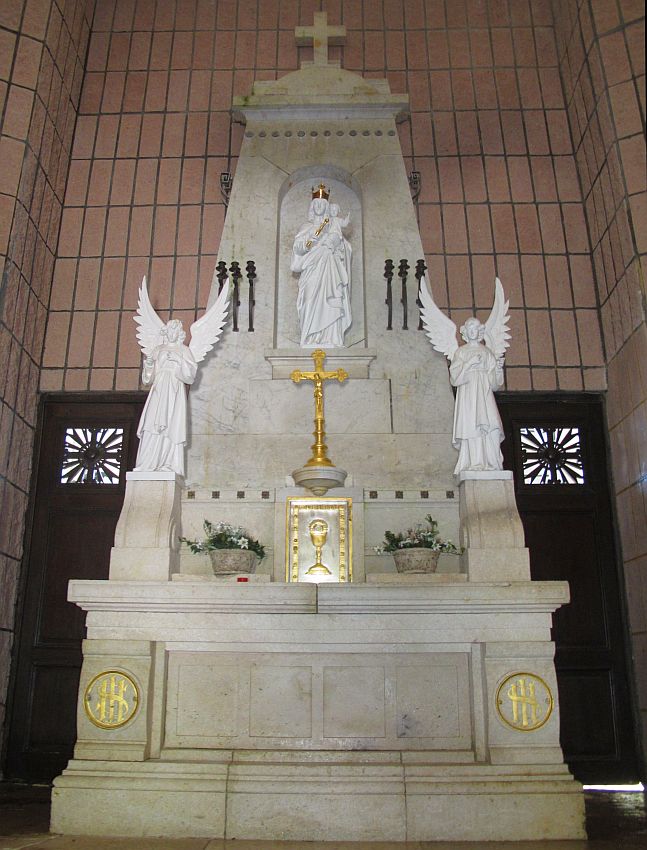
[(301, 712), (387, 708)]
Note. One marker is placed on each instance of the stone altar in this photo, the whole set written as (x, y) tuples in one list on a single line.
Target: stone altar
[(388, 708)]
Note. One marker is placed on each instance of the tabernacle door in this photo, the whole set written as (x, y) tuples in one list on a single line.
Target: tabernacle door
[(318, 539)]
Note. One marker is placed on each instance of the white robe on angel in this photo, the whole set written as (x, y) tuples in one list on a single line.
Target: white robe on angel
[(162, 429), (478, 431)]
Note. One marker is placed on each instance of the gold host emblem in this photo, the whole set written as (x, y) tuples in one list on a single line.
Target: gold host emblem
[(524, 702), (111, 699)]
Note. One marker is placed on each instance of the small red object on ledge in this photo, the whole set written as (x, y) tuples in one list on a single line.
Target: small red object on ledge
[(242, 578)]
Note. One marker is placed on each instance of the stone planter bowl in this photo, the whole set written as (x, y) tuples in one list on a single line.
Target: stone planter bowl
[(231, 561), (416, 560)]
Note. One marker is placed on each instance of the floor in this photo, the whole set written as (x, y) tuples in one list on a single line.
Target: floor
[(615, 821)]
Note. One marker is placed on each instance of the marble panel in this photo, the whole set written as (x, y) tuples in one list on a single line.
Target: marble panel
[(130, 741), (146, 538), (354, 407), (508, 744), (318, 699), (494, 813), (330, 816), (355, 796), (207, 701), (205, 613), (420, 403), (183, 597), (332, 145), (418, 579), (395, 461), (280, 702), (354, 702), (428, 702), (170, 800), (355, 361)]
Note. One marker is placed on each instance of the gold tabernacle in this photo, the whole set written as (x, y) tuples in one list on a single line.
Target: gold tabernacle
[(318, 529)]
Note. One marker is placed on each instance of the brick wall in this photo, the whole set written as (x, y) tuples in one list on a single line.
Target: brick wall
[(602, 59), (42, 52), (500, 189)]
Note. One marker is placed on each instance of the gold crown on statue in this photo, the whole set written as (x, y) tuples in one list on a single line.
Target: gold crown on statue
[(320, 192)]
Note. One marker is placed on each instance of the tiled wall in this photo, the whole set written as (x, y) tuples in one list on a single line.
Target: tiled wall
[(602, 59), (500, 189), (42, 51)]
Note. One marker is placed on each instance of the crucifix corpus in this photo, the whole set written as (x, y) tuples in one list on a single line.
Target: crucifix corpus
[(321, 35)]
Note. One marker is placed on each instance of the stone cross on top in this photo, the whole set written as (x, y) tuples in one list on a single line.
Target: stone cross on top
[(321, 35)]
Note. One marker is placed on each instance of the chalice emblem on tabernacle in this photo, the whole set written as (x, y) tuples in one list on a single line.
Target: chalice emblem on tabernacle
[(318, 529)]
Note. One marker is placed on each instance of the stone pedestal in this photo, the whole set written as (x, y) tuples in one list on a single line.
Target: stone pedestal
[(490, 528), (338, 712), (147, 536)]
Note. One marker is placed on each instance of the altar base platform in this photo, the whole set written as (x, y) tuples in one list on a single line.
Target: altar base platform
[(338, 712)]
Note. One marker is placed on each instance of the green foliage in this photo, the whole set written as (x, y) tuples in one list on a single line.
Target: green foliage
[(221, 535), (418, 537)]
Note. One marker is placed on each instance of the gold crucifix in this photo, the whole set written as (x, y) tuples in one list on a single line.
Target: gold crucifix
[(319, 449)]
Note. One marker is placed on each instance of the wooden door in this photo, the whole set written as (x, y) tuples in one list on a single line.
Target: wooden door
[(557, 448), (84, 448)]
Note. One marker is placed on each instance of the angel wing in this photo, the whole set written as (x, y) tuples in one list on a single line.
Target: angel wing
[(439, 328), (205, 332), (497, 333), (148, 322)]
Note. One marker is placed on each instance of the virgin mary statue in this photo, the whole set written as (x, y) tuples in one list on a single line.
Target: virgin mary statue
[(321, 257)]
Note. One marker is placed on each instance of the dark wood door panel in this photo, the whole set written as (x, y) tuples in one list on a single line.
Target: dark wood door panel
[(52, 702), (584, 696), (569, 553), (93, 528), (568, 523), (74, 516)]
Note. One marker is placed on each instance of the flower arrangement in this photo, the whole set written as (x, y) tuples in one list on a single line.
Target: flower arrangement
[(221, 535), (419, 537)]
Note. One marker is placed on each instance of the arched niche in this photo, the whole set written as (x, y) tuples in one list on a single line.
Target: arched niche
[(294, 200)]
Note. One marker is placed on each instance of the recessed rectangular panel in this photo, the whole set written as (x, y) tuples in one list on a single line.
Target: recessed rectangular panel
[(207, 700), (319, 700), (280, 702), (354, 702), (428, 702)]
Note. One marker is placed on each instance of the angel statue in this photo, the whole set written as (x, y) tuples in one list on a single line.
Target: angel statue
[(476, 370), (168, 366)]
